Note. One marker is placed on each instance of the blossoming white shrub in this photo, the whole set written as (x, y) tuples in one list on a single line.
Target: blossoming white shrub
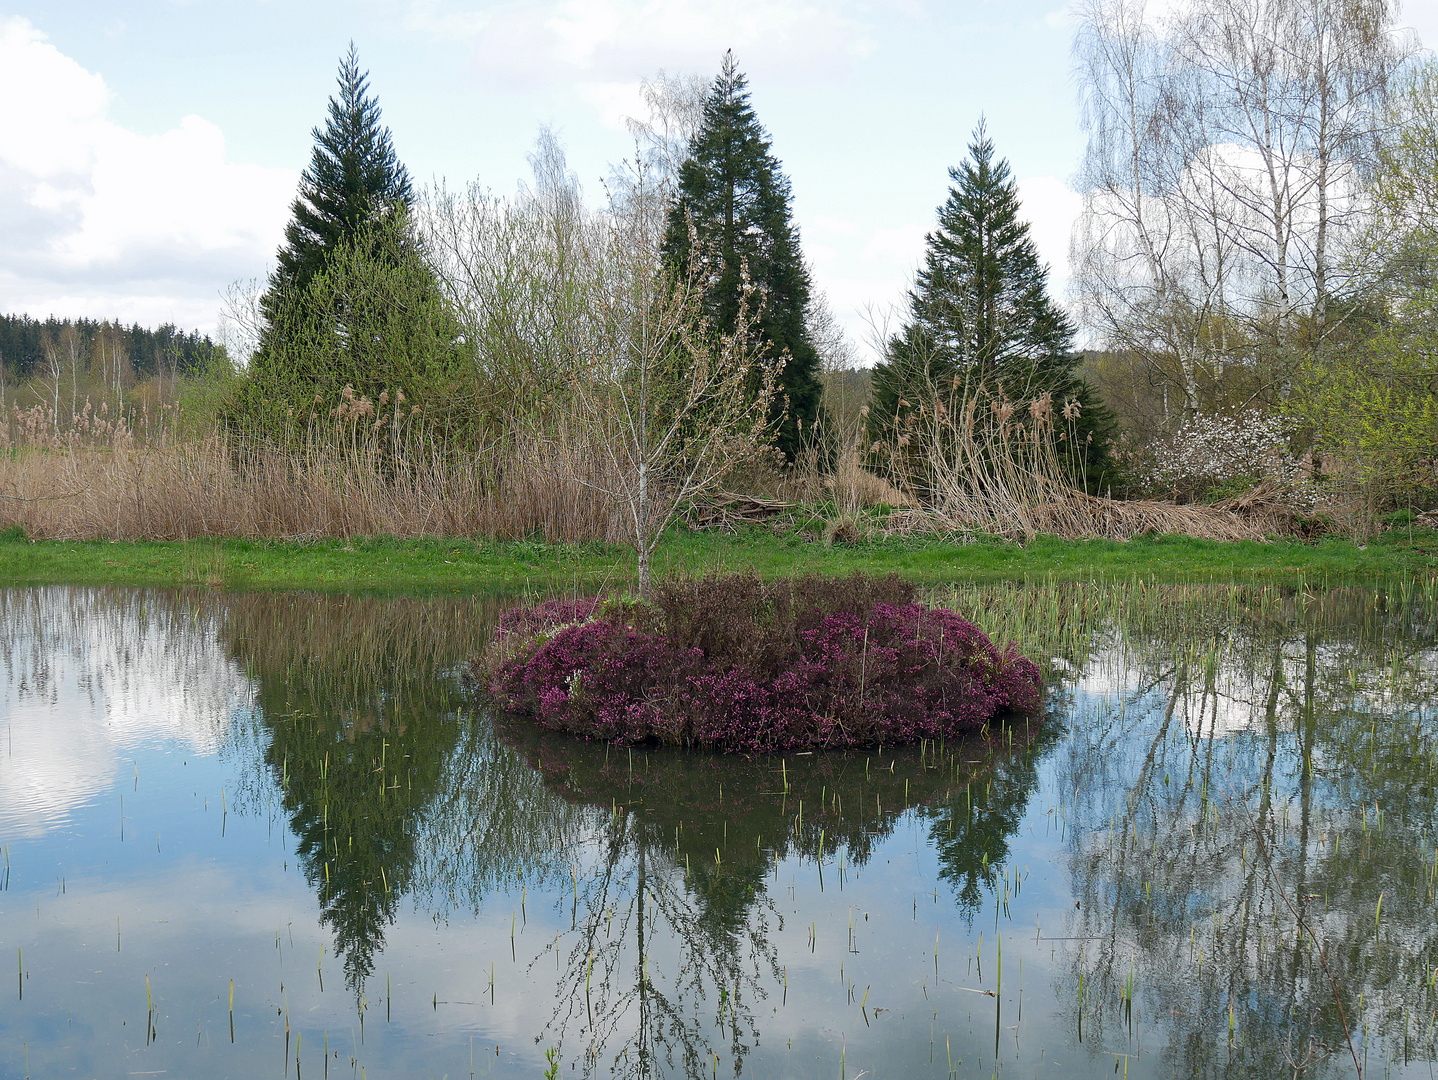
[(1220, 451)]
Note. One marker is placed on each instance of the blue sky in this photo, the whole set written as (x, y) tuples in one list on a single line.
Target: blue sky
[(149, 151)]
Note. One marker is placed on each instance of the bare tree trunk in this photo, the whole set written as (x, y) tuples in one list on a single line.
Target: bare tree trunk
[(52, 366)]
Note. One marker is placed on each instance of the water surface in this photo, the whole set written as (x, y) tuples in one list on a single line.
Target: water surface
[(271, 835)]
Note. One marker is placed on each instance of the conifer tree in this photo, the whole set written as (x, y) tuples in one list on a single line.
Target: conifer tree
[(980, 315), (733, 201), (353, 178), (354, 301)]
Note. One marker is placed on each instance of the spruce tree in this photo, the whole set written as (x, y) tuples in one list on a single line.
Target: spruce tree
[(980, 315), (353, 301), (353, 177), (734, 201)]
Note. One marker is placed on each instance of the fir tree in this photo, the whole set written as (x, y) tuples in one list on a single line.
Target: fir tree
[(980, 314), (353, 178), (734, 201), (354, 301)]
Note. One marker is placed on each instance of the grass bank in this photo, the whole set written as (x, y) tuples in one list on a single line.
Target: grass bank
[(382, 564)]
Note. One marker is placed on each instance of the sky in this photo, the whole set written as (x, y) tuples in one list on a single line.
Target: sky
[(149, 152)]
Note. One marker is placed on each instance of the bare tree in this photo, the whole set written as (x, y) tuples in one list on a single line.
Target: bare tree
[(71, 358), (1127, 235), (586, 345), (242, 319), (515, 271), (1227, 160), (47, 386), (675, 104), (670, 403), (847, 386)]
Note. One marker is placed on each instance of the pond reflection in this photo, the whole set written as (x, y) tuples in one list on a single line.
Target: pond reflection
[(124, 670), (1251, 837), (356, 727), (688, 854), (1215, 856), (392, 787)]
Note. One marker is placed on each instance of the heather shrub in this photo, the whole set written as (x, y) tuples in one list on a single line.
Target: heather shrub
[(734, 663)]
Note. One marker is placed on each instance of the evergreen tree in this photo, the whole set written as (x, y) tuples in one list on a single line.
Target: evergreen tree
[(354, 301), (353, 177), (734, 201), (373, 318), (980, 314)]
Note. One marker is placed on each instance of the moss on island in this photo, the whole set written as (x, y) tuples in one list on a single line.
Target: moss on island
[(735, 663)]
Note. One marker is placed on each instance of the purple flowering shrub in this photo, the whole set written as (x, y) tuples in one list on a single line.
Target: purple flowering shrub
[(733, 663), (548, 616)]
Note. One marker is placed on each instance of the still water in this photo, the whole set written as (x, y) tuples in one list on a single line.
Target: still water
[(271, 835)]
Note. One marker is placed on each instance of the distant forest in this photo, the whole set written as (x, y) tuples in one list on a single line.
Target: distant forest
[(29, 348)]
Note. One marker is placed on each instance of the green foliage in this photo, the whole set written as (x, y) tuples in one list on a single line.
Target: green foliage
[(1372, 411), (980, 315), (353, 178), (204, 395), (1230, 487), (1368, 403), (353, 303), (733, 208), (1406, 186), (372, 318), (524, 274)]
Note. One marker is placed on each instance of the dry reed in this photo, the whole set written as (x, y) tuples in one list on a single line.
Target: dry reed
[(997, 470), (852, 486), (104, 482), (982, 463)]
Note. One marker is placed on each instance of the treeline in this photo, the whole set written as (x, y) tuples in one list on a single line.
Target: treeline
[(1253, 263), (1255, 248), (500, 318), (28, 345)]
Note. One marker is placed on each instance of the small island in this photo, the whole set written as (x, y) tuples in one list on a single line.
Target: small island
[(731, 662)]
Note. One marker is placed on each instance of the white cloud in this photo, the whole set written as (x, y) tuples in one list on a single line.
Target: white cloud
[(615, 102), (824, 224), (102, 221), (1061, 18), (620, 40), (899, 244), (1051, 208)]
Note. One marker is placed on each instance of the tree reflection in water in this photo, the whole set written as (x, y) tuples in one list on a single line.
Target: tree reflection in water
[(388, 787), (1220, 755), (672, 919), (1259, 785), (396, 784)]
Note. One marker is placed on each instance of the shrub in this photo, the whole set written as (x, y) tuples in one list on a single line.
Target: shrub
[(734, 663), (1214, 456)]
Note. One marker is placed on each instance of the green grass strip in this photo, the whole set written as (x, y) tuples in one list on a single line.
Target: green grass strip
[(385, 565)]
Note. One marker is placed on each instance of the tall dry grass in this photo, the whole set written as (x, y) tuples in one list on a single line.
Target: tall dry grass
[(104, 480), (983, 465), (978, 461)]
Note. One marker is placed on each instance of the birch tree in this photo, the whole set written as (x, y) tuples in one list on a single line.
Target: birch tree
[(1225, 182)]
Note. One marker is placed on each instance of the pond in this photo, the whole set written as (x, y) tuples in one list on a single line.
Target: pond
[(269, 835)]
